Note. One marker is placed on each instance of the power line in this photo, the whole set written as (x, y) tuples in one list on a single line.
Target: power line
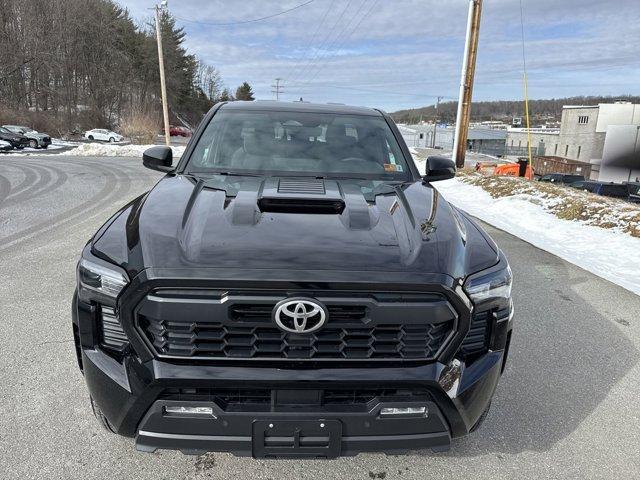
[(324, 41), (526, 86), (524, 58), (335, 45), (354, 88), (311, 41), (344, 41), (242, 22)]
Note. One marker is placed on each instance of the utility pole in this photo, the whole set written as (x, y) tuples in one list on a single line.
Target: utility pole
[(466, 82), (435, 123), (163, 84), (277, 88)]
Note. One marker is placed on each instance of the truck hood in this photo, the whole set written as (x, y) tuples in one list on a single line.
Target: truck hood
[(287, 224)]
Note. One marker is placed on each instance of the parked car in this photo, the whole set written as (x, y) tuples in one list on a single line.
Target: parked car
[(103, 135), (36, 139), (5, 146), (561, 178), (15, 139), (634, 191), (179, 131), (314, 298), (616, 190)]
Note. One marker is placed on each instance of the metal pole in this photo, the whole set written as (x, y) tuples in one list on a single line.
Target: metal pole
[(466, 82), (526, 114), (435, 123), (277, 88), (163, 84)]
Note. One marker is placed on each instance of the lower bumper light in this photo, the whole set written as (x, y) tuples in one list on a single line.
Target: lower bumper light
[(184, 410), (405, 411)]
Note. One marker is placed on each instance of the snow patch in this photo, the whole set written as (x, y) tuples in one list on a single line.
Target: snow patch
[(107, 150), (606, 253)]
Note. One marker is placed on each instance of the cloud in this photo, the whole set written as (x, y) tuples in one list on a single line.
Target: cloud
[(406, 52)]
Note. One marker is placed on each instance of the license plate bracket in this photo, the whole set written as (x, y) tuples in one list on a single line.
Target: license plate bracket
[(297, 438)]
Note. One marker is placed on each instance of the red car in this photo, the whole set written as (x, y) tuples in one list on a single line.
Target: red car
[(179, 131)]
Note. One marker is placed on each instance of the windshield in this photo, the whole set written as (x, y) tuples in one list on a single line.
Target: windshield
[(4, 130), (299, 144)]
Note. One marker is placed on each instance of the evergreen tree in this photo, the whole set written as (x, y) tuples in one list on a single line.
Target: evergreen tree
[(90, 64), (244, 92), (226, 96)]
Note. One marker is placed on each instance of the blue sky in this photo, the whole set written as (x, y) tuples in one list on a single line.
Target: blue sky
[(396, 54)]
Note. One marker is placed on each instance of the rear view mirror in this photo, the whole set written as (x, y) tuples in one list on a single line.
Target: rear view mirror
[(158, 158), (439, 168)]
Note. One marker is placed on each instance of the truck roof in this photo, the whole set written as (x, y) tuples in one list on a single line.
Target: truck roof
[(273, 106)]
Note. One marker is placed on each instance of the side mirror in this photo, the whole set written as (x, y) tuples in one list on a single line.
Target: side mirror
[(439, 168), (158, 158)]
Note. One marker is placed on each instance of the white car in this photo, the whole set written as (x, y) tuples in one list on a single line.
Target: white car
[(103, 135), (5, 146)]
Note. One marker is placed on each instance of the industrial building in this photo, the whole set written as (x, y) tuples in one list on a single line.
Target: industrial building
[(542, 141), (483, 140), (604, 135)]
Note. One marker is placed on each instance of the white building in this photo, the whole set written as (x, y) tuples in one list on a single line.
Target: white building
[(602, 135)]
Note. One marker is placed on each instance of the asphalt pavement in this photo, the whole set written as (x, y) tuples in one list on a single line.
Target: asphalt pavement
[(567, 406)]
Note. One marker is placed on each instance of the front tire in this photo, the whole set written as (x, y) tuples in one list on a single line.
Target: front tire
[(90, 137), (33, 143), (100, 417), (112, 140)]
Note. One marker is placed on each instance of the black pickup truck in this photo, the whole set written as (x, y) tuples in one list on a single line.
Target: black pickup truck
[(292, 287)]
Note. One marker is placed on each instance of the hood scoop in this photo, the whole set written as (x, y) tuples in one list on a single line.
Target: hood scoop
[(301, 195)]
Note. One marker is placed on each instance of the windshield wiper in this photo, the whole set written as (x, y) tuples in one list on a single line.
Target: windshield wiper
[(236, 174), (338, 177)]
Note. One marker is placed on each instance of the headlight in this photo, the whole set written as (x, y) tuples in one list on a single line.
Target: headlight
[(100, 281), (494, 285), (491, 287)]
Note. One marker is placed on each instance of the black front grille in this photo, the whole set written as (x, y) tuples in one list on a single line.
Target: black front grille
[(219, 324), (365, 396), (215, 340), (262, 312), (225, 398), (247, 399)]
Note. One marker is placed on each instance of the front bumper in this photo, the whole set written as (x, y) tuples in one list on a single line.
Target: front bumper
[(327, 435), (43, 142), (130, 389), (130, 395)]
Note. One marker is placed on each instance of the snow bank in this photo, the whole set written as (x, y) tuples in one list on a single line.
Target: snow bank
[(609, 254), (58, 142), (107, 150)]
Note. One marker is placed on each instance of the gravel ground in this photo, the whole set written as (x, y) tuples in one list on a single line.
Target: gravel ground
[(566, 408)]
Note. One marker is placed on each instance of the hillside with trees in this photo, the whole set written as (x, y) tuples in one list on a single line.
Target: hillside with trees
[(73, 64), (504, 110)]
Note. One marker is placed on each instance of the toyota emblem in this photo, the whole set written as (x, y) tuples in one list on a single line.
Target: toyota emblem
[(300, 315)]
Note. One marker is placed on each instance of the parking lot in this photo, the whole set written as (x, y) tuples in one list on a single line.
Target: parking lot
[(566, 407)]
